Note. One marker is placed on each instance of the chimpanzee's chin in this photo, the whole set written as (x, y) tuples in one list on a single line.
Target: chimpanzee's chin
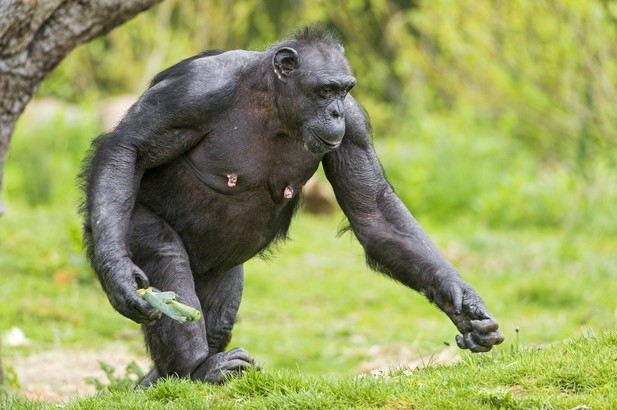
[(318, 145)]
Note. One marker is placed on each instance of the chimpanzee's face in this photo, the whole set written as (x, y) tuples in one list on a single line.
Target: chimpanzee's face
[(316, 82)]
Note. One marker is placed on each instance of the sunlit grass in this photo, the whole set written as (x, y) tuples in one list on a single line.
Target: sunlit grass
[(577, 373)]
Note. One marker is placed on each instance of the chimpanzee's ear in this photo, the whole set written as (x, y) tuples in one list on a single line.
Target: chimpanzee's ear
[(285, 60)]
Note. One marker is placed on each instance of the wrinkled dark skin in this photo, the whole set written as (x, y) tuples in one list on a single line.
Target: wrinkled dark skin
[(205, 171)]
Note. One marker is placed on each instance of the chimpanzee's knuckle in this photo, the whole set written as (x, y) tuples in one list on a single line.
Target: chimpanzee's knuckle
[(462, 324), (499, 337), (486, 339), (473, 345), (484, 325)]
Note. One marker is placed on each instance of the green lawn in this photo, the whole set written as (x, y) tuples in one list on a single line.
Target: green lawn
[(581, 373)]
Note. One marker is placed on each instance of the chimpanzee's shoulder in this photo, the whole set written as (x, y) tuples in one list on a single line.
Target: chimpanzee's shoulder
[(211, 63)]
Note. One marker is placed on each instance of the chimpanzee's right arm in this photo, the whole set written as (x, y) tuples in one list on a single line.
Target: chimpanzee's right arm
[(169, 119)]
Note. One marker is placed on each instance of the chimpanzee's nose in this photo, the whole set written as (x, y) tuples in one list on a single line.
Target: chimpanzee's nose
[(337, 110)]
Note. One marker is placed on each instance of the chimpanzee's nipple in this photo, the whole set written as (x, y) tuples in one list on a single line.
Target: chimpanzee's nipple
[(288, 193), (232, 180)]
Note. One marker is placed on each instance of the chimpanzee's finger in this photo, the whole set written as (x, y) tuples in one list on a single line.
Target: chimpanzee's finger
[(488, 339), (141, 279), (460, 342), (484, 325), (457, 299), (473, 345), (140, 311)]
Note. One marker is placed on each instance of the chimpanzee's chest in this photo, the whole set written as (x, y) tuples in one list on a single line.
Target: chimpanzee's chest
[(247, 157), (233, 193)]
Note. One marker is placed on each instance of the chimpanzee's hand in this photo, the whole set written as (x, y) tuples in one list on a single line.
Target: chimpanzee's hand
[(467, 311), (121, 285)]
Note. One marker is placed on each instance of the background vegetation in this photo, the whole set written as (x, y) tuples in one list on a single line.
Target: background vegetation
[(494, 120)]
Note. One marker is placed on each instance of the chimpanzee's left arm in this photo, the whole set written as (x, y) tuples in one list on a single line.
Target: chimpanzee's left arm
[(394, 242)]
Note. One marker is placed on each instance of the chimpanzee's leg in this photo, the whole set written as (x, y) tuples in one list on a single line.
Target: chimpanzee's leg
[(158, 250), (220, 298), (177, 348)]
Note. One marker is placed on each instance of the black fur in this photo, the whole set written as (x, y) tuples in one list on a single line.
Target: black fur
[(177, 69), (205, 172)]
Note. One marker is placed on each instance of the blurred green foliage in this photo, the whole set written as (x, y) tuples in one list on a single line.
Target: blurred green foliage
[(543, 73), (502, 110)]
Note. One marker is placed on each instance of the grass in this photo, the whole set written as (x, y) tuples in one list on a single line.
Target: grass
[(316, 317), (579, 372)]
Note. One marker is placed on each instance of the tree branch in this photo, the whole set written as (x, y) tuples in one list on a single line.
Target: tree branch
[(35, 36)]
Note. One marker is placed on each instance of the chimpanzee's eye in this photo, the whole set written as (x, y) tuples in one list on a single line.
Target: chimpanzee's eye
[(326, 92)]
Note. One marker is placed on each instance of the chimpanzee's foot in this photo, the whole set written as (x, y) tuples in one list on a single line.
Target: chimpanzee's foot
[(220, 365), (214, 369)]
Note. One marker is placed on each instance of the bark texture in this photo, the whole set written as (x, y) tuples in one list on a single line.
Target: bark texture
[(35, 35)]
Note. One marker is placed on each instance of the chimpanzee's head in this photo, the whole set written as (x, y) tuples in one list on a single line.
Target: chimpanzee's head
[(312, 79)]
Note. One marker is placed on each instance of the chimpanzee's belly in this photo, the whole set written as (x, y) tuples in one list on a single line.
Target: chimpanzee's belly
[(223, 226)]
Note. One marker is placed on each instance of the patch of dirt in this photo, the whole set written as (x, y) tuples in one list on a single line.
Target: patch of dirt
[(396, 356), (58, 375)]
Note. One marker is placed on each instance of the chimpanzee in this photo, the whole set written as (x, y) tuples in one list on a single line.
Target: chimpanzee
[(205, 171)]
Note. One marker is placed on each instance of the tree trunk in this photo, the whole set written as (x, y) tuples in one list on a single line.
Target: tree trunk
[(34, 37)]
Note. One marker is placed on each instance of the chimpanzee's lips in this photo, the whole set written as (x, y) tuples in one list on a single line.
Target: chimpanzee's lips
[(328, 144)]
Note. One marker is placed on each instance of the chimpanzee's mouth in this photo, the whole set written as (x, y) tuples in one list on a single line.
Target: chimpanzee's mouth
[(328, 144)]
